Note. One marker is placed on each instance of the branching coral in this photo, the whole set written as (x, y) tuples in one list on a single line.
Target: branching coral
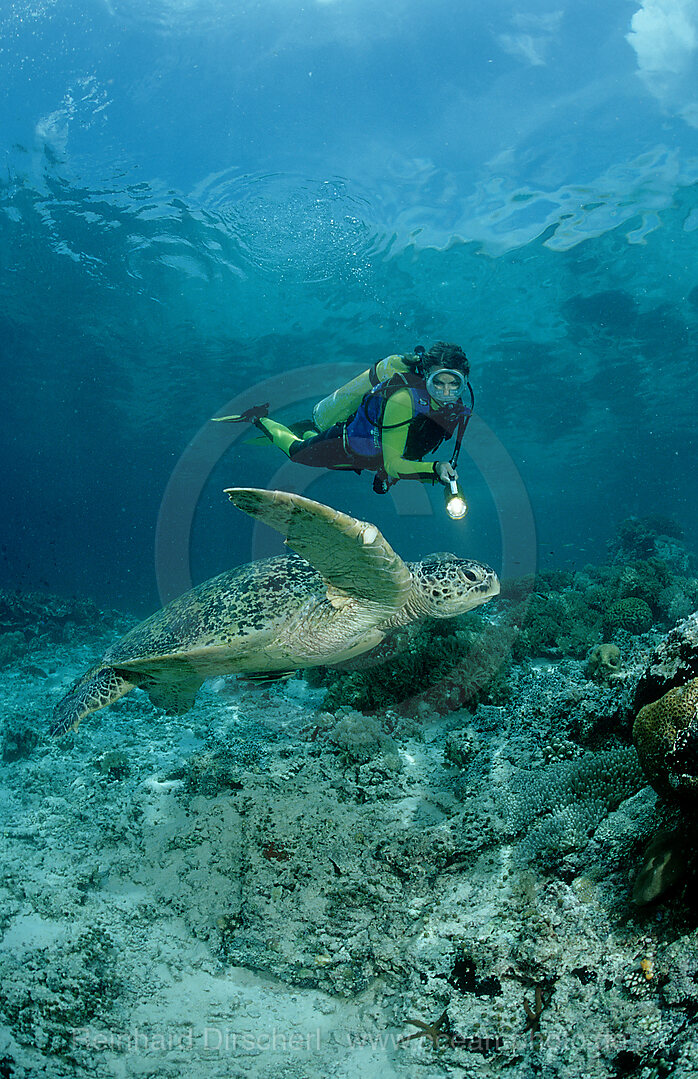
[(563, 803), (607, 777)]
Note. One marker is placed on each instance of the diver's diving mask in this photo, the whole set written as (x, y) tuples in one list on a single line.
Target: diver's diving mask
[(448, 389)]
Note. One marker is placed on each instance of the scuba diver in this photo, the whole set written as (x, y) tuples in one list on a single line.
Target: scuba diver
[(385, 421)]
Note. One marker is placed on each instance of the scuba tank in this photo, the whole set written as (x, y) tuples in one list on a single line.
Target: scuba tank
[(343, 403)]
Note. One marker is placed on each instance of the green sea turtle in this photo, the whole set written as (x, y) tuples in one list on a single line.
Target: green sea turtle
[(345, 592)]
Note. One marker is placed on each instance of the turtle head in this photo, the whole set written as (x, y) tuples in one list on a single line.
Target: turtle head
[(447, 585)]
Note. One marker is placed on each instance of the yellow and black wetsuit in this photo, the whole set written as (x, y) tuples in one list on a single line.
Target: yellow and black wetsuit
[(395, 425)]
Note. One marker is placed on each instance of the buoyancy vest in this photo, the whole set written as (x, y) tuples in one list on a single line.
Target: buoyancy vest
[(427, 427)]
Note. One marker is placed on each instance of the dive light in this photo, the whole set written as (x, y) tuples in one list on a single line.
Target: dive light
[(456, 506)]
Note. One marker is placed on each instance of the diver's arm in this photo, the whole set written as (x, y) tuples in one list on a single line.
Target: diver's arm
[(397, 417)]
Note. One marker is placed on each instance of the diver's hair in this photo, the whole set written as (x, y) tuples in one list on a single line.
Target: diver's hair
[(443, 354)]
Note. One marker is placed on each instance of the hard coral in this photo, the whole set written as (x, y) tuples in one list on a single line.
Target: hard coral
[(561, 805), (555, 623), (566, 614), (360, 737), (679, 599), (603, 664), (666, 735), (39, 610), (633, 615), (607, 778), (221, 768), (673, 662), (644, 580)]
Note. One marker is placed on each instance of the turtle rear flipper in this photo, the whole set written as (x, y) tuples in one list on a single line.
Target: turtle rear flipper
[(175, 697), (96, 689)]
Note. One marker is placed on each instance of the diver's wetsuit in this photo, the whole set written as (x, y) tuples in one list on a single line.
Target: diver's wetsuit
[(325, 450), (406, 425)]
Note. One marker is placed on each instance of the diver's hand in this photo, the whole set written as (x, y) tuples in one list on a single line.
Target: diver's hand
[(445, 472)]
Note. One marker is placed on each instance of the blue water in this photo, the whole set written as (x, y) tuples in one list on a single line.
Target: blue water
[(197, 197)]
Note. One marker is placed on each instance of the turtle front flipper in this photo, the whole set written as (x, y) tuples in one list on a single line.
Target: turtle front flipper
[(353, 557), (96, 689)]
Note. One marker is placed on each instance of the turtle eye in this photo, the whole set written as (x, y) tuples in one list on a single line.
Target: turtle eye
[(469, 574)]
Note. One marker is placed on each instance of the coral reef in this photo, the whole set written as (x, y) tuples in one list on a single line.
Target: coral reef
[(561, 805), (554, 619), (19, 737), (459, 862), (50, 992), (632, 614), (360, 737), (114, 764), (437, 665), (673, 662), (39, 615), (665, 732), (222, 768), (603, 663), (12, 646), (652, 536), (568, 614), (666, 735)]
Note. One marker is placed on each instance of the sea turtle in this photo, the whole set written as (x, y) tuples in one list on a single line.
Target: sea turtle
[(341, 592)]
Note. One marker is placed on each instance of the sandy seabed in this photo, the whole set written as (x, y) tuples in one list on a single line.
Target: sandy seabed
[(242, 892)]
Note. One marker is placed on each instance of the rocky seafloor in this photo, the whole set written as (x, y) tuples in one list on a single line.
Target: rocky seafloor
[(278, 884)]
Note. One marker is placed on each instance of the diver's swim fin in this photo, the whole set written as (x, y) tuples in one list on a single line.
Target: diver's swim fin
[(250, 415)]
